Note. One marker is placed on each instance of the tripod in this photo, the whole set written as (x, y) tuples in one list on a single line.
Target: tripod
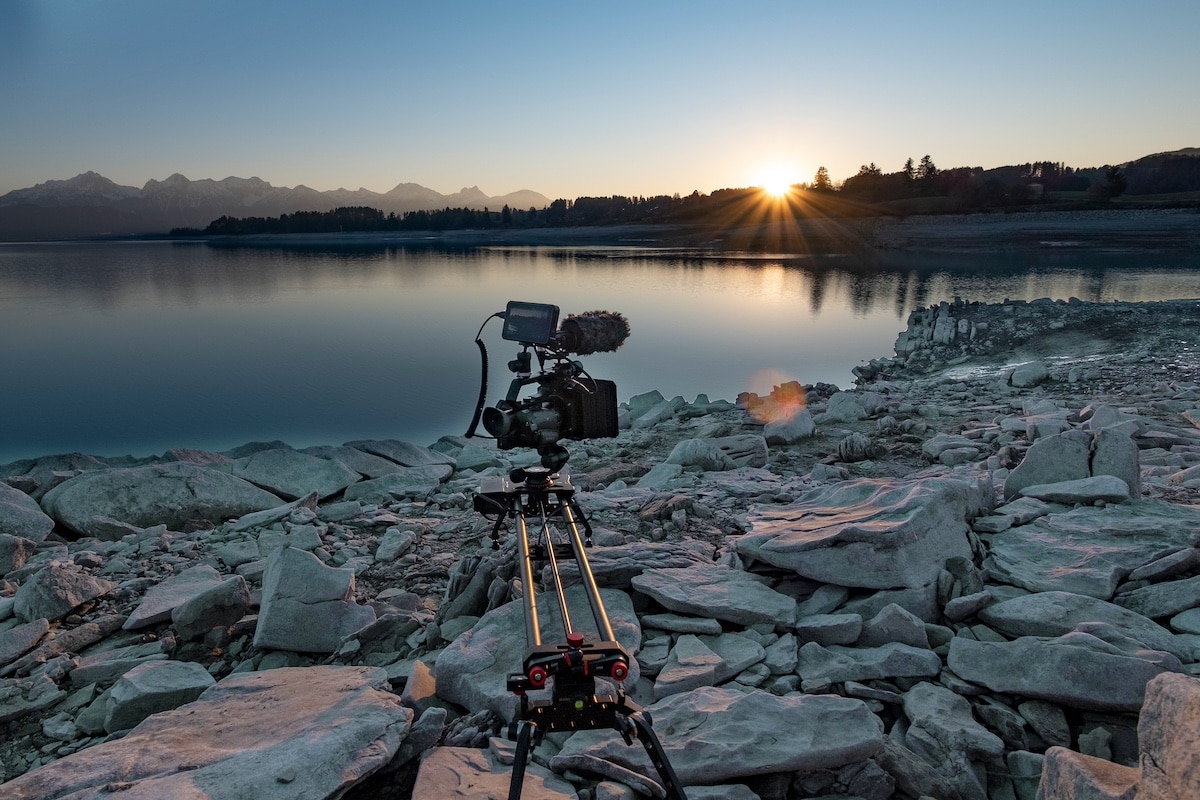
[(570, 668)]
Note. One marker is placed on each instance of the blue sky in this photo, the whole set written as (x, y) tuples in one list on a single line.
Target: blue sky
[(574, 99)]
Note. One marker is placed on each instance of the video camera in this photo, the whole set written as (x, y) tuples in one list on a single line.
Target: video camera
[(568, 403)]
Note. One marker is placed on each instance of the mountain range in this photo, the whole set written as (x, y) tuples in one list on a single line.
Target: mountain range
[(92, 205)]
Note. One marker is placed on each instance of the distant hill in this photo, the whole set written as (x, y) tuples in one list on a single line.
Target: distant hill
[(92, 205)]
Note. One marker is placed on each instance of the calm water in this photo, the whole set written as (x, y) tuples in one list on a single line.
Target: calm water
[(134, 348)]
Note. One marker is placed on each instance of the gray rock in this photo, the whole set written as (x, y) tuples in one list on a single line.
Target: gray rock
[(16, 642), (690, 665), (894, 624), (153, 687), (1028, 374), (703, 454), (217, 607), (14, 552), (281, 734), (20, 515), (744, 450), (404, 453), (291, 474), (1163, 599), (408, 482), (262, 519), (827, 629), (1047, 720), (177, 495), (1076, 670), (395, 543), (796, 733), (1089, 550), (163, 598), (468, 772), (22, 696), (678, 623), (719, 592), (365, 464), (821, 666), (794, 428), (1064, 457), (55, 590), (871, 533), (617, 565), (306, 606), (1058, 613), (944, 732), (1115, 453), (1086, 491)]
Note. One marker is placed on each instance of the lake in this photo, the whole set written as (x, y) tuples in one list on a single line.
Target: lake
[(115, 348)]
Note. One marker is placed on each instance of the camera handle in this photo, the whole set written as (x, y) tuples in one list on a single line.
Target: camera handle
[(570, 669)]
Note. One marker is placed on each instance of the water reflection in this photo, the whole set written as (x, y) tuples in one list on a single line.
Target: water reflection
[(122, 347)]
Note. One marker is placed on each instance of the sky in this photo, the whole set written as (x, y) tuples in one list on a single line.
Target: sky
[(584, 99)]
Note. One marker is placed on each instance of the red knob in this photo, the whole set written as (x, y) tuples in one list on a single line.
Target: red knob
[(537, 677), (619, 671), (575, 639)]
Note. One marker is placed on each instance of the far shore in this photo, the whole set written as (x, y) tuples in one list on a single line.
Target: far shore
[(1134, 229)]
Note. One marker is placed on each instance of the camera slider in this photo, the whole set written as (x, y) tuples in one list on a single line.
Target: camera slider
[(569, 671)]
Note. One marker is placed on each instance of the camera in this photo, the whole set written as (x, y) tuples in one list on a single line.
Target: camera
[(568, 402)]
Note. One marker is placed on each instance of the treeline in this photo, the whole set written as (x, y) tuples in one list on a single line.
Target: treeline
[(919, 187)]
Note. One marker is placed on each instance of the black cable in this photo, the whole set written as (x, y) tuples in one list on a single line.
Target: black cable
[(483, 376)]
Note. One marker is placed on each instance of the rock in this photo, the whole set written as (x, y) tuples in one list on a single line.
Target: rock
[(703, 454), (821, 666), (365, 464), (16, 642), (408, 482), (1028, 374), (307, 607), (1089, 550), (22, 696), (1169, 738), (449, 772), (21, 516), (73, 640), (265, 518), (796, 733), (1067, 775), (473, 669), (1085, 491), (1076, 670), (872, 533), (791, 429), (1064, 457), (291, 474), (1051, 614), (176, 494), (1163, 599), (14, 552), (404, 453), (281, 734), (216, 607), (745, 450), (893, 624), (163, 598), (395, 543), (944, 732), (827, 629), (150, 688), (55, 590), (1115, 453), (720, 592)]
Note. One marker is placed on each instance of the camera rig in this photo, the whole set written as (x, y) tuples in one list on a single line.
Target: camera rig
[(568, 404)]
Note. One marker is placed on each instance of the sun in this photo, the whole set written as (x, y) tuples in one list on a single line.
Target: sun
[(776, 180)]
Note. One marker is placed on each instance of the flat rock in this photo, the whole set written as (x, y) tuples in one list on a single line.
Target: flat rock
[(1057, 613), (821, 666), (718, 592), (448, 772), (1086, 491), (1163, 599), (20, 515), (1075, 670), (21, 696), (368, 465), (282, 734), (714, 735), (1088, 550), (53, 591), (407, 482), (175, 494), (291, 474), (405, 454), (16, 642), (871, 533), (153, 687), (163, 598)]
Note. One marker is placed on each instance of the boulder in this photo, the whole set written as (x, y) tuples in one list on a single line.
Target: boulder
[(153, 687), (20, 515), (790, 429), (14, 552), (291, 474), (1115, 453), (719, 592), (1169, 738), (178, 495), (306, 606), (872, 533), (1052, 459), (1028, 374), (713, 735), (161, 599), (216, 607), (368, 465), (281, 734), (55, 590)]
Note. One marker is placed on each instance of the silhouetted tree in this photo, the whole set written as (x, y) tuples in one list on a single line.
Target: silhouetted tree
[(821, 182)]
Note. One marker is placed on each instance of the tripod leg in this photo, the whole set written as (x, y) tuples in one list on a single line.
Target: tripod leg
[(524, 740), (658, 756)]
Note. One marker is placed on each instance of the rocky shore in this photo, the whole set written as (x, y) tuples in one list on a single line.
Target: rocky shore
[(976, 575)]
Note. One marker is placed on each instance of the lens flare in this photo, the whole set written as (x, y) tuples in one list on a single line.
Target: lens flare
[(785, 400)]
